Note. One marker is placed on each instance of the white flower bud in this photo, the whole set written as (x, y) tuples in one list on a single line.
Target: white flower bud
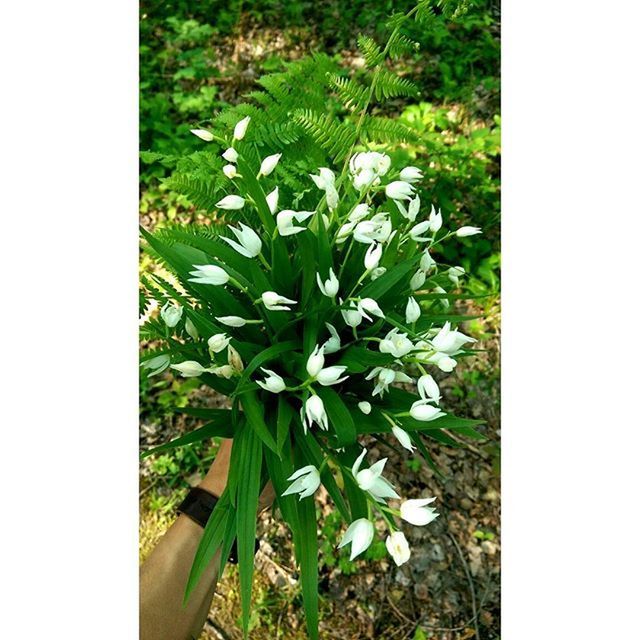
[(411, 174), (269, 164), (398, 547), (218, 342), (203, 134), (231, 203), (230, 155), (412, 312), (399, 190), (241, 128), (372, 257), (365, 407), (273, 382), (230, 171), (315, 362), (463, 232), (171, 314)]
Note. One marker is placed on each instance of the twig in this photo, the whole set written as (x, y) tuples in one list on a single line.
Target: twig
[(471, 587)]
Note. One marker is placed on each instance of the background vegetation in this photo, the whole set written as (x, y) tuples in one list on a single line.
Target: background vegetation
[(198, 60)]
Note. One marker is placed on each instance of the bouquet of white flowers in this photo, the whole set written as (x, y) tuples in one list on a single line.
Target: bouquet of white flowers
[(305, 320)]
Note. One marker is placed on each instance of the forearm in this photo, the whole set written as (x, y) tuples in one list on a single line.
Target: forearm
[(163, 577)]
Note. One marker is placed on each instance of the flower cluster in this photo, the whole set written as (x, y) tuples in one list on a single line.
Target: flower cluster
[(336, 315)]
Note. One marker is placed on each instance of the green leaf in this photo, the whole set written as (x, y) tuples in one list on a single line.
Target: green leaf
[(379, 287), (359, 359), (285, 414), (253, 412), (339, 416), (209, 543), (265, 356), (221, 428), (247, 508)]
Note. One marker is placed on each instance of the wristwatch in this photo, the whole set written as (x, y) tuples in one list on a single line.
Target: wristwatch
[(198, 506)]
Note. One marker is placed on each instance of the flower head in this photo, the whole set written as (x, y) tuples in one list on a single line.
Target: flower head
[(421, 410), (218, 342), (417, 512), (352, 316), (331, 375), (372, 257), (275, 302), (203, 134), (360, 535), (365, 407), (314, 411), (416, 232), (272, 200), (269, 164), (333, 343), (209, 274), (273, 382), (230, 171), (171, 314), (315, 361), (190, 369), (435, 220), (403, 437), (231, 203), (399, 190), (411, 174), (369, 305), (398, 547), (371, 479), (249, 243), (230, 155), (418, 279), (449, 341), (286, 218), (241, 128), (396, 343), (330, 286), (412, 312), (305, 482), (191, 329), (464, 232), (231, 321)]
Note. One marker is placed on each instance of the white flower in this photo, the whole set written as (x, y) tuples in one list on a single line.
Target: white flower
[(443, 301), (417, 231), (370, 305), (171, 314), (241, 128), (231, 203), (378, 229), (306, 482), (333, 343), (365, 407), (285, 220), (403, 437), (411, 174), (428, 389), (325, 179), (352, 316), (377, 272), (190, 369), (156, 365), (203, 134), (275, 302), (417, 280), (273, 382), (225, 371), (443, 362), (231, 321), (372, 257), (234, 359), (269, 164), (344, 232), (360, 535), (416, 511), (424, 412), (385, 378), (463, 232), (371, 479), (367, 167), (330, 286), (398, 547), (414, 208), (230, 171), (249, 244), (218, 342), (448, 341), (209, 274), (427, 262), (331, 375), (230, 155), (359, 212), (399, 190), (272, 201), (315, 361), (412, 312), (314, 411), (455, 273), (395, 343), (435, 220), (191, 329)]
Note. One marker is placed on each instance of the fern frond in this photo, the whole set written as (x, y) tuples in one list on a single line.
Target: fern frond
[(203, 194), (371, 52), (400, 45), (385, 130), (352, 95), (332, 135), (390, 85)]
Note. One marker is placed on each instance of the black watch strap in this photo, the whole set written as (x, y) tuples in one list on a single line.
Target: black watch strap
[(198, 505)]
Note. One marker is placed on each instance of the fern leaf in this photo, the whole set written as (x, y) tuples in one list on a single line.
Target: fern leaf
[(385, 130), (390, 85), (352, 95), (371, 52), (332, 135)]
